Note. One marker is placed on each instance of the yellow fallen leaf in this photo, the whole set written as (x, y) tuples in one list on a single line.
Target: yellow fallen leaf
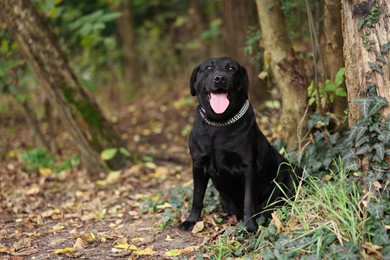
[(3, 249), (199, 226), (173, 252), (112, 176), (11, 154), (33, 190), (126, 247), (137, 239), (146, 251), (64, 250), (45, 171), (58, 228), (166, 205)]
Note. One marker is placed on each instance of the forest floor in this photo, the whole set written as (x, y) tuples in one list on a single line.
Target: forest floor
[(122, 215)]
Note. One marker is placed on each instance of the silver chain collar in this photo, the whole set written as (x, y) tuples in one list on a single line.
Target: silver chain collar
[(230, 121)]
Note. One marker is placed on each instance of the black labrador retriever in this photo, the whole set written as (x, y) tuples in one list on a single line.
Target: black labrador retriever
[(227, 146)]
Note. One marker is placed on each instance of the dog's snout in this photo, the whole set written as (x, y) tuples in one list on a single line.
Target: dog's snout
[(219, 79)]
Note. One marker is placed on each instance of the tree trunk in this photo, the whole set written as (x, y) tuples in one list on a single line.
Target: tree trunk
[(333, 50), (80, 115), (366, 58), (237, 18), (288, 72), (126, 30)]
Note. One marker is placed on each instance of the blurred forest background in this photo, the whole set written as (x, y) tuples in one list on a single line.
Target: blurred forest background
[(103, 86)]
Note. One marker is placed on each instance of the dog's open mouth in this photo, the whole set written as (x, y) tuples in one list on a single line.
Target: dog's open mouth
[(219, 101)]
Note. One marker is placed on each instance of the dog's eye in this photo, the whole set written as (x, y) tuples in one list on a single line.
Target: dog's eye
[(231, 68), (209, 68)]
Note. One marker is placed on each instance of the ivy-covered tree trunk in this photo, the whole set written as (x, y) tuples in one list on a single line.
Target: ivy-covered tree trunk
[(366, 33), (79, 114), (288, 72)]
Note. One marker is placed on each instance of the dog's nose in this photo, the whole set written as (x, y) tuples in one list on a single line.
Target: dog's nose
[(219, 79)]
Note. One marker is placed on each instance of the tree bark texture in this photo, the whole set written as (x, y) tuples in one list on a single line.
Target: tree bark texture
[(237, 18), (126, 30), (288, 72), (79, 114), (362, 48), (333, 50)]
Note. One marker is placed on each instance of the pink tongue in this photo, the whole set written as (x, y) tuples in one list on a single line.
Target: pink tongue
[(219, 102)]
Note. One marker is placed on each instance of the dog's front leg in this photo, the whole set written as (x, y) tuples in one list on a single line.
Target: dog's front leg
[(249, 201), (200, 185)]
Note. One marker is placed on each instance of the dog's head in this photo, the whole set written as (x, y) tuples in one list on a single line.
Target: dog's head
[(221, 85)]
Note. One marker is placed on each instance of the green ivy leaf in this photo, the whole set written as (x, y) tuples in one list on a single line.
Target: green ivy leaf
[(360, 141), (108, 154), (377, 104), (377, 210), (384, 137), (375, 67), (385, 48), (364, 105), (380, 151), (371, 105), (363, 150), (352, 165), (349, 155), (361, 23)]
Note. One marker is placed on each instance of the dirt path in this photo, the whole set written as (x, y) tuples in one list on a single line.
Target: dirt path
[(70, 215)]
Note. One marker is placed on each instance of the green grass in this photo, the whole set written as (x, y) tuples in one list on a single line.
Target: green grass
[(325, 219)]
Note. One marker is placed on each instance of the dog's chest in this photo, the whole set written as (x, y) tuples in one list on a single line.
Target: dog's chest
[(224, 158)]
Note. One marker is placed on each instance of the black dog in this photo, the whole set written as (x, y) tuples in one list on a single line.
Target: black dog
[(227, 146)]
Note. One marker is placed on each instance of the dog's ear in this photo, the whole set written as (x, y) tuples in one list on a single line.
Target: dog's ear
[(193, 79), (245, 80)]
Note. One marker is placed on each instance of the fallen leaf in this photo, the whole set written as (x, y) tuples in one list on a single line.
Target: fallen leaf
[(80, 243), (22, 243), (276, 221), (372, 249), (64, 250), (57, 228), (26, 251), (166, 205), (199, 226), (146, 251), (173, 252), (33, 190), (126, 247), (111, 177), (168, 238), (45, 171)]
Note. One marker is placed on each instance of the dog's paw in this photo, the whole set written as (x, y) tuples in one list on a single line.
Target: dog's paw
[(187, 225), (251, 226)]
